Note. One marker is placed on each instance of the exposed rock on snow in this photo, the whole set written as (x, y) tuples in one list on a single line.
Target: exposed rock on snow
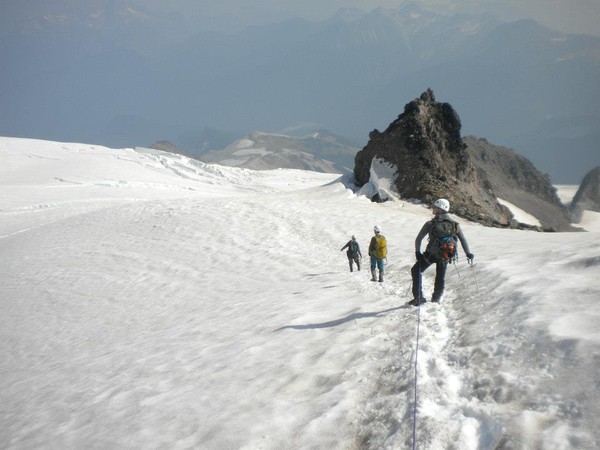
[(587, 196), (424, 143), (433, 161)]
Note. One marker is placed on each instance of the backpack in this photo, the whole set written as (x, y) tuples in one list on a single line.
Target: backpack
[(380, 247), (443, 241), (353, 248)]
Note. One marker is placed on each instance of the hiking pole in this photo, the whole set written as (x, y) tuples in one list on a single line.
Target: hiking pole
[(456, 267), (473, 271)]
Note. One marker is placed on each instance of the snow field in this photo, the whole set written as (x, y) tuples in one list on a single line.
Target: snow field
[(152, 301)]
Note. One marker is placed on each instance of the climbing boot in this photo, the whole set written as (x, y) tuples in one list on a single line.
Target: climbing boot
[(417, 301)]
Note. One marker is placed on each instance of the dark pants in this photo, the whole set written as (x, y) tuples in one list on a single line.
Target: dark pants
[(417, 279), (352, 259)]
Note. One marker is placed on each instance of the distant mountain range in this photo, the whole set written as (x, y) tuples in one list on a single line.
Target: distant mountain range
[(319, 152), (120, 75)]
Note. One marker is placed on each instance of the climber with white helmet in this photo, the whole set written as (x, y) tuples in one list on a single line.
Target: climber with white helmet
[(378, 254), (444, 234)]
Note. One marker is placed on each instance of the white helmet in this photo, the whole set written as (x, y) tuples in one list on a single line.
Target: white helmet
[(377, 229), (442, 203)]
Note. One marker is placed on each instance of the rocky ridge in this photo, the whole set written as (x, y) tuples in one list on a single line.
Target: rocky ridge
[(587, 196), (513, 178), (320, 152), (432, 160)]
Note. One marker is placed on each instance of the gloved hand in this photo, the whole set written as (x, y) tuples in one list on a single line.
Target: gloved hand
[(470, 256), (419, 255)]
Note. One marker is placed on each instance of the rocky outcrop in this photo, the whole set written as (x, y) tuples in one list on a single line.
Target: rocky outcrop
[(432, 160), (165, 146), (168, 146), (515, 179), (587, 196)]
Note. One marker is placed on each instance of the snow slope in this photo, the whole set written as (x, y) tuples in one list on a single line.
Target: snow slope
[(151, 301)]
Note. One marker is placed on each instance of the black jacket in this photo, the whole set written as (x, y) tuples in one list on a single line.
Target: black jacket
[(350, 253)]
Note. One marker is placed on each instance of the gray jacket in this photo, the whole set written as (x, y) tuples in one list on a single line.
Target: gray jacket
[(427, 229)]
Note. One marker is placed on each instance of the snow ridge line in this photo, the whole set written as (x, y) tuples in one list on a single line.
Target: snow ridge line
[(19, 231)]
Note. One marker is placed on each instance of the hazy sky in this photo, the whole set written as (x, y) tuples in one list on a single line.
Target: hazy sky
[(48, 87), (576, 16)]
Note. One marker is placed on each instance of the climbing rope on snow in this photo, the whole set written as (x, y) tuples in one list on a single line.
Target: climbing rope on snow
[(416, 396), (416, 391), (414, 446)]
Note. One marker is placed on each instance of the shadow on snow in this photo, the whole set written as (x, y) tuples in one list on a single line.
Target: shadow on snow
[(343, 320)]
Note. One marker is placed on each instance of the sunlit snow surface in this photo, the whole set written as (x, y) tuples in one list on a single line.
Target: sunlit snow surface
[(152, 301)]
